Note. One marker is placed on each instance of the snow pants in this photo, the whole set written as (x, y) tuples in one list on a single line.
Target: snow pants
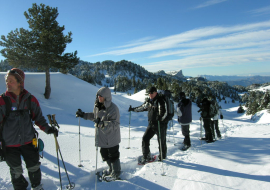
[(185, 133), (151, 130), (207, 123), (111, 154), (31, 158)]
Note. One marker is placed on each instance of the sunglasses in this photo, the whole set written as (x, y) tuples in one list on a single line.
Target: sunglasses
[(14, 72), (99, 95)]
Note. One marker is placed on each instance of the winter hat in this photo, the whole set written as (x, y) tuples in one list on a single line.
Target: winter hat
[(182, 95), (18, 74), (152, 89)]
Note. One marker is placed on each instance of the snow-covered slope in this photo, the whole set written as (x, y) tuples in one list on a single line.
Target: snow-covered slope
[(240, 160)]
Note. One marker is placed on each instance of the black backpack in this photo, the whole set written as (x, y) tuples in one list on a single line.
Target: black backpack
[(208, 109), (167, 96)]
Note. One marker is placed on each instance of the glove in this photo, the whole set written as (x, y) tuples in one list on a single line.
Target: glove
[(131, 109), (53, 130), (79, 113), (96, 121), (221, 116), (101, 114)]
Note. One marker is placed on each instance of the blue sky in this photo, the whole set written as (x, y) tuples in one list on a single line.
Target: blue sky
[(213, 37)]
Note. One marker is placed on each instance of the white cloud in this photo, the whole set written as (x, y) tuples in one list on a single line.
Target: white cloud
[(212, 59), (209, 46), (177, 40), (261, 11), (209, 3)]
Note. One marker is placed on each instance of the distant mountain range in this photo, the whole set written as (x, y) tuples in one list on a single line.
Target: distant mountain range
[(238, 80)]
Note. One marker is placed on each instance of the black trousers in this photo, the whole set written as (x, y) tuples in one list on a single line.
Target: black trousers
[(111, 154), (151, 130), (208, 129), (31, 158)]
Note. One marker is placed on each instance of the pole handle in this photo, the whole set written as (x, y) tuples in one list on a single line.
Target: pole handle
[(49, 118)]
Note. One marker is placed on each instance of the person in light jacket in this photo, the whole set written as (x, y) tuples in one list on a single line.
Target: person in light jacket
[(184, 112), (107, 122), (215, 122)]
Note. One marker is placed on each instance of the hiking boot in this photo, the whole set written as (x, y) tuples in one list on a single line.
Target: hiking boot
[(39, 187), (185, 147), (116, 171), (210, 141), (146, 159), (108, 171), (159, 158), (219, 137), (111, 177)]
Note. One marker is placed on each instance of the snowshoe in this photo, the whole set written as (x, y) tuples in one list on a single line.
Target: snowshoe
[(39, 187), (210, 141), (185, 147), (110, 178), (143, 161)]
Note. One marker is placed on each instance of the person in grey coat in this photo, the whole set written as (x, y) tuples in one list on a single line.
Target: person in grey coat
[(107, 122), (184, 112)]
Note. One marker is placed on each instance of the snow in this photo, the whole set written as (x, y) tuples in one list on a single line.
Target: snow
[(240, 160), (265, 88)]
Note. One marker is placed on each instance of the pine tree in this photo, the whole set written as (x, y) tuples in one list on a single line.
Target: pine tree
[(135, 90), (41, 47), (240, 109)]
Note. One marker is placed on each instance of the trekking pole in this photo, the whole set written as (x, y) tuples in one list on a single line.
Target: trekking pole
[(96, 142), (201, 130), (169, 133), (71, 185), (80, 165), (173, 131), (161, 158), (129, 130), (57, 148), (223, 126)]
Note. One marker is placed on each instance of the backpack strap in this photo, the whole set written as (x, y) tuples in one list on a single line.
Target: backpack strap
[(8, 104), (8, 108)]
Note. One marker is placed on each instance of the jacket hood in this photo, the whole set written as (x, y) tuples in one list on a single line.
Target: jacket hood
[(106, 93)]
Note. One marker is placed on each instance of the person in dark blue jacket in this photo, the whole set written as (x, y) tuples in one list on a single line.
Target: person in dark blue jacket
[(184, 112)]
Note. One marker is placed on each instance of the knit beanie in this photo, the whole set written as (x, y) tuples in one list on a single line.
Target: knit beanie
[(18, 74)]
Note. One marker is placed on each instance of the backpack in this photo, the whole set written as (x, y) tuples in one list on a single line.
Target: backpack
[(213, 109), (167, 95), (38, 143), (209, 109)]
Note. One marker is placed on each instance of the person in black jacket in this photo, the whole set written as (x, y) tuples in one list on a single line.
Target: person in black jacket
[(157, 112), (184, 112), (205, 109), (17, 131)]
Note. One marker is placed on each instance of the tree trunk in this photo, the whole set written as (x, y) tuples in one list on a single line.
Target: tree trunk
[(48, 85)]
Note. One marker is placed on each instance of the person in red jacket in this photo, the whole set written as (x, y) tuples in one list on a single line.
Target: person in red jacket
[(17, 131)]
